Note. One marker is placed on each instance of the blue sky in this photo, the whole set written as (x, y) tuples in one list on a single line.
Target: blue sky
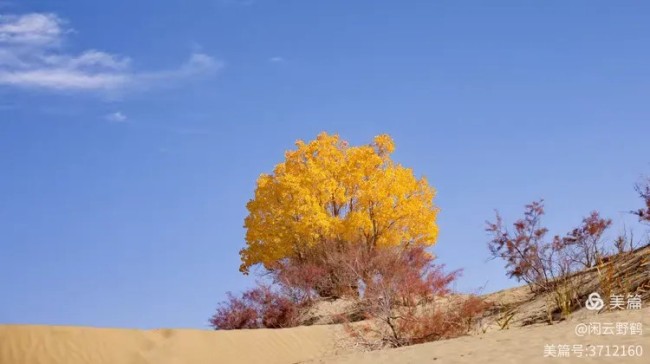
[(131, 134)]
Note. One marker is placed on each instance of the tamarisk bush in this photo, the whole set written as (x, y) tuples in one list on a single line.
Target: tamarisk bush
[(260, 307), (539, 261), (402, 302)]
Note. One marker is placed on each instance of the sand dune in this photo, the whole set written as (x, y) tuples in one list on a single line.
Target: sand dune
[(517, 346), (26, 344)]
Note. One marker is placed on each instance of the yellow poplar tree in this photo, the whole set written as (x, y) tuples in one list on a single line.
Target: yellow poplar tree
[(326, 190)]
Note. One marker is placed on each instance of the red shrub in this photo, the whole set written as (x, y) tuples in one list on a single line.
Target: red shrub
[(236, 313), (406, 274), (329, 270), (586, 240), (525, 251), (395, 325), (303, 281), (257, 308), (395, 288), (401, 300), (438, 324), (542, 263)]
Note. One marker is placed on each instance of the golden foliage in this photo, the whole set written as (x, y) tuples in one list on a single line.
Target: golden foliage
[(328, 191)]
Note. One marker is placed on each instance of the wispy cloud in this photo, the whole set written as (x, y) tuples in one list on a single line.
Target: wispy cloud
[(116, 117), (32, 56), (276, 59), (34, 29)]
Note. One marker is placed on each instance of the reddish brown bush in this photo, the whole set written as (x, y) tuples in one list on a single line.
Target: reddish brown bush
[(540, 262), (401, 300), (300, 280), (333, 271), (585, 241), (396, 325), (456, 320), (381, 279), (257, 308), (407, 275), (329, 270), (395, 288), (644, 192), (235, 313), (525, 251)]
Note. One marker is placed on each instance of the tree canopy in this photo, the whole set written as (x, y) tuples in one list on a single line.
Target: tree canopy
[(327, 191)]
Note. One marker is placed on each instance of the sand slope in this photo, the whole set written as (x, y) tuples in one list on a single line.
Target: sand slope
[(26, 344), (519, 345)]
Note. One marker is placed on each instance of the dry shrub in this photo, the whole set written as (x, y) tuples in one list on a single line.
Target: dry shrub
[(409, 325), (329, 270), (405, 297), (544, 263), (616, 277), (606, 278), (525, 251), (302, 280), (257, 308), (407, 275), (565, 295), (626, 241), (505, 316), (549, 264), (644, 192), (379, 280), (585, 241), (401, 302)]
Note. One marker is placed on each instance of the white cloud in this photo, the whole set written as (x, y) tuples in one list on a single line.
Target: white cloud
[(63, 79), (32, 56), (90, 58), (36, 29), (116, 117), (276, 59)]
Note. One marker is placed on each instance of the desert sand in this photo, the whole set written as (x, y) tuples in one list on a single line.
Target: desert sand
[(28, 344), (517, 345)]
